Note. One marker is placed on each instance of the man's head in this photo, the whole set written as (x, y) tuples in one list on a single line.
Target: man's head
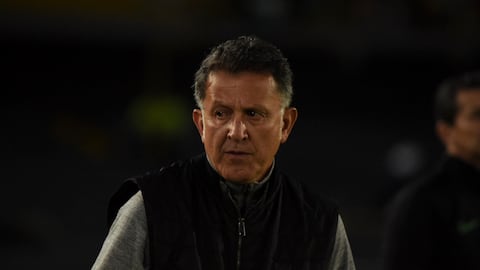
[(243, 90), (246, 53), (457, 112)]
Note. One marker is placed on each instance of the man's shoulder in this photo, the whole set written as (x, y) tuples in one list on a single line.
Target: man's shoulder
[(170, 172), (433, 183), (307, 207), (430, 191), (311, 200), (152, 183)]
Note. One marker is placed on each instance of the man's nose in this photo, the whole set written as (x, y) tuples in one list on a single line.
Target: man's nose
[(237, 129)]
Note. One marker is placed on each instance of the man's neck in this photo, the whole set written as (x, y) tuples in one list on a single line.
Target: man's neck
[(264, 179)]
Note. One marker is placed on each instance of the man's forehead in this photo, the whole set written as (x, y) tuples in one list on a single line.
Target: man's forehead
[(468, 92), (245, 80), (468, 97), (469, 89)]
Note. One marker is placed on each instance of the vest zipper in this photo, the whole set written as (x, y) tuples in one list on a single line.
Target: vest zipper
[(241, 233)]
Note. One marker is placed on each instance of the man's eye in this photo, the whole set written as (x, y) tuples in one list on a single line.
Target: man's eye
[(254, 114), (476, 114), (219, 114)]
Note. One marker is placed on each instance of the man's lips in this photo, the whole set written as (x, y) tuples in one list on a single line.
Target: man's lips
[(237, 153)]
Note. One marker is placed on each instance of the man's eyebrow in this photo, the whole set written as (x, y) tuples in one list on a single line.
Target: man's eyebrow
[(258, 108), (476, 111), (217, 103)]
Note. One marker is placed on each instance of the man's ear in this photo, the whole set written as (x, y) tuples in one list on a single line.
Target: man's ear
[(197, 117), (444, 131), (289, 118)]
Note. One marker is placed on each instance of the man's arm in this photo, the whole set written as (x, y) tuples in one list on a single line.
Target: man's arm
[(342, 258), (126, 242)]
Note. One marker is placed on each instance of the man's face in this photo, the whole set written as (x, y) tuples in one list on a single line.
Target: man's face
[(242, 124), (464, 134)]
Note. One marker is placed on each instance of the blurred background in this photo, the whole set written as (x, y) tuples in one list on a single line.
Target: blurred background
[(97, 91)]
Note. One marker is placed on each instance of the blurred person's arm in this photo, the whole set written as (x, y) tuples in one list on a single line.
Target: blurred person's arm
[(410, 233)]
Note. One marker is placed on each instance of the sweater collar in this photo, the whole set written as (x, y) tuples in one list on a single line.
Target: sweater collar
[(235, 185), (243, 195)]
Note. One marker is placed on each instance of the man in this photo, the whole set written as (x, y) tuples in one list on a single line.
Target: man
[(435, 223), (231, 207)]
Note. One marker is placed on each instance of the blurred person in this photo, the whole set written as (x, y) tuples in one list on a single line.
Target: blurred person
[(434, 223), (230, 207)]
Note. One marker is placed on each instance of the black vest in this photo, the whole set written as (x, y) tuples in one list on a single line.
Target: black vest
[(193, 224)]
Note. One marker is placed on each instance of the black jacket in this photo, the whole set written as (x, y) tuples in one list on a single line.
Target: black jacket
[(435, 223), (193, 224)]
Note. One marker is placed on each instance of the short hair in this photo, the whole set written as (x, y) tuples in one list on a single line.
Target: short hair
[(246, 53), (445, 102)]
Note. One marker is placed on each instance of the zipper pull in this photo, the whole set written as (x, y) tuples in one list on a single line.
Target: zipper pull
[(241, 227)]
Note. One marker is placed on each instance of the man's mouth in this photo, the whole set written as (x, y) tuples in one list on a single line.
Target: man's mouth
[(237, 153)]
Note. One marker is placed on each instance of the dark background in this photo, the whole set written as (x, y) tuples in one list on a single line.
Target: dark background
[(96, 91)]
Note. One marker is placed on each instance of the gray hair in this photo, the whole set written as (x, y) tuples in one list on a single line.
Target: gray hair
[(246, 53)]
